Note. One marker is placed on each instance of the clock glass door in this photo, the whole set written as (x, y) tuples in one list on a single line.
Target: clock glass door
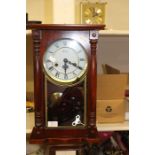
[(65, 106)]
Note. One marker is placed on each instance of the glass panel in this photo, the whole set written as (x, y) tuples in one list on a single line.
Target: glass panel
[(65, 106)]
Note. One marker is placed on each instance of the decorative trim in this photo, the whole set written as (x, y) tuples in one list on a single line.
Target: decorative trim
[(93, 67), (36, 47), (93, 35)]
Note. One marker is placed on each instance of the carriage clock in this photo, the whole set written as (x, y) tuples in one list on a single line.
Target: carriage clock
[(64, 83), (93, 13)]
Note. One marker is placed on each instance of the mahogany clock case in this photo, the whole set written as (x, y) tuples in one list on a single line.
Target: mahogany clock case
[(71, 101)]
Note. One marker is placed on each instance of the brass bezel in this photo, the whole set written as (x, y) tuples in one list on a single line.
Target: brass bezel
[(73, 81)]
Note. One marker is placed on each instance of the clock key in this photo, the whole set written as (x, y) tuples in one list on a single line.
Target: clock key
[(77, 121)]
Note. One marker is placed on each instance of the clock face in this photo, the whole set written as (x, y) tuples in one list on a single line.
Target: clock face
[(65, 62)]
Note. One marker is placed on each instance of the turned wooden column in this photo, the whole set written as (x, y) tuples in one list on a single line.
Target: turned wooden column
[(38, 80), (92, 78)]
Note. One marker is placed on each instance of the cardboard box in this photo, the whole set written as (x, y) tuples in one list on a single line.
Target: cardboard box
[(111, 86), (110, 111), (110, 97), (107, 69)]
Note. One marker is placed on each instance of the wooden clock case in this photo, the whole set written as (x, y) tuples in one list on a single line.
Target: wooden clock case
[(43, 35)]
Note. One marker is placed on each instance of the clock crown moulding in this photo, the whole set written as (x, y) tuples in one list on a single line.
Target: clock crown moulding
[(68, 27)]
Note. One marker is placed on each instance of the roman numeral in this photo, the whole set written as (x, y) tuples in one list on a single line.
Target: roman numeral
[(74, 74), (65, 76), (79, 67), (82, 59), (56, 45), (64, 43), (57, 74), (48, 61), (51, 68), (51, 51)]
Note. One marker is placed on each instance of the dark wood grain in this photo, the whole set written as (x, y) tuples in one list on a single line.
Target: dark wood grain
[(92, 84), (38, 80), (69, 27)]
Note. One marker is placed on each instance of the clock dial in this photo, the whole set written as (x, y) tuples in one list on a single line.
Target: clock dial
[(93, 15), (65, 62)]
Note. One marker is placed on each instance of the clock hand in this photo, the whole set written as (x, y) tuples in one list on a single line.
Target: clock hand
[(93, 12), (71, 63), (65, 66), (75, 65)]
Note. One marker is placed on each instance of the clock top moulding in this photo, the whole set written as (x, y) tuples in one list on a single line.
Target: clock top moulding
[(40, 133), (65, 26)]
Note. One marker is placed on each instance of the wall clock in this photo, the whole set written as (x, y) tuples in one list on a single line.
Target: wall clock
[(92, 13), (65, 85)]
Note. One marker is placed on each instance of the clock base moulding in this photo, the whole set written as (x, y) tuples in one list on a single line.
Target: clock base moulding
[(64, 136)]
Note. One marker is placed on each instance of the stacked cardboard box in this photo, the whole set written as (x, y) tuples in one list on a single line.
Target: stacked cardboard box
[(111, 97)]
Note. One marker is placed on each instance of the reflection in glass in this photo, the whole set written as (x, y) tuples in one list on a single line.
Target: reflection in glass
[(65, 105)]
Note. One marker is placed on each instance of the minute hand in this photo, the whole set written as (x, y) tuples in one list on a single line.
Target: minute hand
[(75, 65)]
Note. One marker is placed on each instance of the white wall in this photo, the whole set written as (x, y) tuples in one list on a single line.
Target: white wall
[(117, 14), (63, 11), (35, 9), (113, 50), (68, 11)]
